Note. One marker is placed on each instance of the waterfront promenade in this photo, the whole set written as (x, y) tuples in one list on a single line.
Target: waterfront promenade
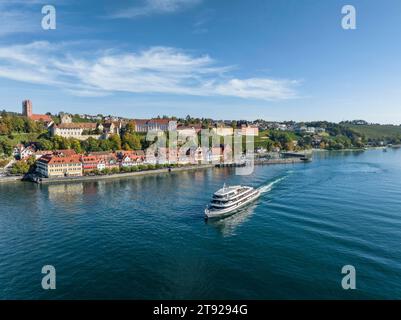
[(124, 175), (9, 179)]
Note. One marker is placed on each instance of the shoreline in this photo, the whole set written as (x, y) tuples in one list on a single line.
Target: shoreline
[(11, 179), (14, 179), (279, 161), (123, 175)]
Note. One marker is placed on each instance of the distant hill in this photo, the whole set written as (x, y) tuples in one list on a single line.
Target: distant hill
[(377, 132)]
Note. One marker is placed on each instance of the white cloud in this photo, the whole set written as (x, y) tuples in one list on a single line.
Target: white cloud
[(151, 7), (160, 70), (258, 88)]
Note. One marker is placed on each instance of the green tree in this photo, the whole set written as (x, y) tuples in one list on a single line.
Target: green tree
[(130, 127), (92, 145), (76, 145), (132, 140), (115, 142), (4, 129), (20, 167), (45, 144), (6, 147), (105, 145)]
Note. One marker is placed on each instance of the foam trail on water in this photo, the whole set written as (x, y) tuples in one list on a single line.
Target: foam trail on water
[(269, 186)]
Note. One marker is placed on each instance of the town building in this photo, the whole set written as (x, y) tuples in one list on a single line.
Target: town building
[(89, 164), (65, 118), (51, 166), (223, 131), (196, 155), (112, 127), (81, 131), (21, 152), (305, 129), (130, 159), (184, 133), (249, 130), (106, 160), (145, 125), (40, 153)]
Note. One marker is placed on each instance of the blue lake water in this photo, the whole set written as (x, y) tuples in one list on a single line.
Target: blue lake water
[(145, 237)]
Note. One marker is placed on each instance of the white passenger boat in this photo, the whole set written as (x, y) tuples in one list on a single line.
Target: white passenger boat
[(228, 200)]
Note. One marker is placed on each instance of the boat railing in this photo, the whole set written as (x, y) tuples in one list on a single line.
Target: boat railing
[(215, 201)]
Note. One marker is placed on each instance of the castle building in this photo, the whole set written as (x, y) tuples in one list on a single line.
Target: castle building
[(27, 112), (65, 118), (77, 130), (145, 125)]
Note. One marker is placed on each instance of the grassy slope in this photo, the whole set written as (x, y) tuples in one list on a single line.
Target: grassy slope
[(21, 137), (378, 131)]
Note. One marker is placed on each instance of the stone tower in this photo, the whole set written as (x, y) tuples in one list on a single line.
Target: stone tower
[(27, 108), (65, 118)]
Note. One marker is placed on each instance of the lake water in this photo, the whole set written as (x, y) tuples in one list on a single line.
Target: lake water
[(145, 237)]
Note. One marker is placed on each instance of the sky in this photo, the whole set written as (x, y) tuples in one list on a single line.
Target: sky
[(224, 59)]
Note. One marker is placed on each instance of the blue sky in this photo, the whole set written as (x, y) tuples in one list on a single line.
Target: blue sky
[(225, 59)]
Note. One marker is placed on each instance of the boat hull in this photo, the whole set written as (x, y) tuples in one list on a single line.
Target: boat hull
[(223, 213)]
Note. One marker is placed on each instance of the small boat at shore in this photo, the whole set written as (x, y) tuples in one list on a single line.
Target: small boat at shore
[(228, 200)]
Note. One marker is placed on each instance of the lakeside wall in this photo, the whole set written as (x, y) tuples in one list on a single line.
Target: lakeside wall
[(147, 172), (10, 179), (123, 175)]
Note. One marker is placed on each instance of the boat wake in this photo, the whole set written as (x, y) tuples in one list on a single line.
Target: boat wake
[(268, 187)]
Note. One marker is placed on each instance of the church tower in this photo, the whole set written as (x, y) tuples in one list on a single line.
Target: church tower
[(27, 108)]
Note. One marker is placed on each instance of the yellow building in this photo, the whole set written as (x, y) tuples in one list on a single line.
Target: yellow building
[(51, 166)]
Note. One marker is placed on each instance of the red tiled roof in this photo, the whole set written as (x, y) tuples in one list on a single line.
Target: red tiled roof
[(86, 159), (103, 155), (60, 160), (147, 121), (41, 117), (65, 152), (81, 125), (99, 153), (129, 152)]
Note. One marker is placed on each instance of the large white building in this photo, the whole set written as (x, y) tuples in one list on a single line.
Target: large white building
[(79, 131), (145, 125)]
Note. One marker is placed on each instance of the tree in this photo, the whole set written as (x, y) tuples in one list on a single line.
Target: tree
[(44, 144), (126, 147), (106, 171), (132, 140), (20, 167), (130, 127), (105, 145), (115, 170), (115, 142), (6, 147), (4, 129), (19, 124), (76, 145), (91, 144)]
